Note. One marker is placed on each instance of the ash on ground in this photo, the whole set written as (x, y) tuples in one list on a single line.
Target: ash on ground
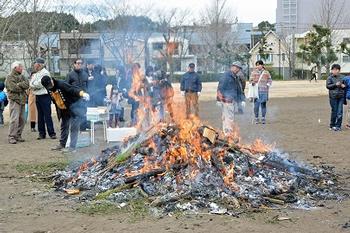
[(191, 168)]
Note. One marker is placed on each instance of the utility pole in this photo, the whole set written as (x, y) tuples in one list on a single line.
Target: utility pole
[(293, 53), (279, 58)]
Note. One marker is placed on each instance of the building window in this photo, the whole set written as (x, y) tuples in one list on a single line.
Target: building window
[(268, 59), (177, 65), (346, 58), (79, 46), (346, 40), (157, 46)]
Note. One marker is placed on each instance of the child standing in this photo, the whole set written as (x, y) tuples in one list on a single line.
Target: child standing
[(113, 104), (347, 96), (336, 87), (3, 103)]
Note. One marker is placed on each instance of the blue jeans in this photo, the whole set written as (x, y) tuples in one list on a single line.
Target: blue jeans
[(257, 105), (337, 112)]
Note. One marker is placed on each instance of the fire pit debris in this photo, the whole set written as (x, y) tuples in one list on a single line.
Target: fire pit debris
[(190, 167)]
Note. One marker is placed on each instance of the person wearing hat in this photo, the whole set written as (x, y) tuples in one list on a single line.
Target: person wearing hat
[(42, 99), (240, 74), (68, 100), (230, 94), (16, 86), (191, 87), (262, 78)]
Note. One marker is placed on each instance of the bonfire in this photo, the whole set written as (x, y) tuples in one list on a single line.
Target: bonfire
[(189, 166)]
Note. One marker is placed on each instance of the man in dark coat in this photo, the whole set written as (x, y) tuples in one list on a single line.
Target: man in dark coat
[(191, 87), (99, 88), (79, 78), (230, 94), (69, 102), (336, 86)]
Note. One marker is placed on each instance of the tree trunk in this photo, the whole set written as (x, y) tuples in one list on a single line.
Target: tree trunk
[(319, 72)]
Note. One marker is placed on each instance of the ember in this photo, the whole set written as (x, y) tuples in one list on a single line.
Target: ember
[(188, 166)]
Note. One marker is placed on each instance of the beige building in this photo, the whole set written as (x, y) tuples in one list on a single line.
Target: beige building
[(276, 51)]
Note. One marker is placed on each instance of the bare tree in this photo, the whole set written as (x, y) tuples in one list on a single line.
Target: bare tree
[(127, 30), (331, 13), (216, 30), (7, 25), (177, 37)]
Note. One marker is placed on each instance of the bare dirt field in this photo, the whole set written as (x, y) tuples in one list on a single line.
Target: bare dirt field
[(298, 125)]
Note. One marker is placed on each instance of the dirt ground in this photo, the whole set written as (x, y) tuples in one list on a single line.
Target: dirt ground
[(297, 125)]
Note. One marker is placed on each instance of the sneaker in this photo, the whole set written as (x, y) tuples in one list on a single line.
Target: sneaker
[(20, 139), (40, 138), (53, 137), (57, 148), (347, 126), (12, 141), (68, 150), (337, 129), (257, 121), (32, 129), (263, 121)]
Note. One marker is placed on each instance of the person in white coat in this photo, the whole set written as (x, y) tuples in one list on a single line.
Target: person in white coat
[(43, 100)]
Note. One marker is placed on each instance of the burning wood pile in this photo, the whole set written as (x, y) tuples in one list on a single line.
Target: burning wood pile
[(190, 167)]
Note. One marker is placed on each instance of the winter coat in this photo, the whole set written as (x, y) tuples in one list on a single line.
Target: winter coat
[(335, 91), (230, 88), (99, 92), (78, 78), (243, 80), (347, 83), (265, 81), (64, 96), (3, 96), (264, 84), (191, 82), (35, 82), (16, 86)]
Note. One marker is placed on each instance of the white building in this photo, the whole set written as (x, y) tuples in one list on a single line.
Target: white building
[(276, 51)]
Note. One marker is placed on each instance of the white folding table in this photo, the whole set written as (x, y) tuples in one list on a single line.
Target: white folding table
[(99, 114)]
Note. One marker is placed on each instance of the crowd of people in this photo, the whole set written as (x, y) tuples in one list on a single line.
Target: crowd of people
[(87, 85), (150, 96)]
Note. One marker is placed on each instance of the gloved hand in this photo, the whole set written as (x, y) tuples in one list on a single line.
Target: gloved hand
[(182, 93), (198, 93), (86, 97), (243, 104), (218, 103)]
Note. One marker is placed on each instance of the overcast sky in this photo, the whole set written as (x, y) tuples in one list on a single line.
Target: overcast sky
[(247, 11)]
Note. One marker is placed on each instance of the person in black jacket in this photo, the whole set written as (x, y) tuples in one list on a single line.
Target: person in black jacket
[(99, 88), (69, 104), (79, 78), (230, 94), (191, 87), (335, 85)]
